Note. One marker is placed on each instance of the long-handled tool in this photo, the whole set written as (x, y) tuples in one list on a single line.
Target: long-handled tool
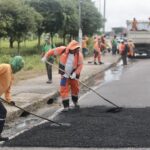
[(113, 110), (54, 123)]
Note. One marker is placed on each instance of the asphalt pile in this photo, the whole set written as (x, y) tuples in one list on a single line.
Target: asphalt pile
[(91, 127)]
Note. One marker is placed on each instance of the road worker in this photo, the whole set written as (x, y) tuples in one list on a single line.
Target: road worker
[(131, 48), (97, 50), (84, 46), (123, 50), (70, 66), (47, 45), (114, 45), (134, 25), (6, 79)]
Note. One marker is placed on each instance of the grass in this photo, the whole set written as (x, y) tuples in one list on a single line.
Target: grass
[(30, 53), (33, 66)]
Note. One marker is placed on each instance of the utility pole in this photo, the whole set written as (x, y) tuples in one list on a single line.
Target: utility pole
[(80, 29), (104, 15), (99, 6)]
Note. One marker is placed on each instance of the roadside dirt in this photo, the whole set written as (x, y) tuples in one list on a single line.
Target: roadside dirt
[(24, 75)]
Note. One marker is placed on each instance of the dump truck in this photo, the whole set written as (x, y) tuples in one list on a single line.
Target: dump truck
[(141, 37)]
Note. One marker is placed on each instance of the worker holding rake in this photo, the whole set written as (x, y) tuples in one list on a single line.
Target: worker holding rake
[(70, 66), (6, 79)]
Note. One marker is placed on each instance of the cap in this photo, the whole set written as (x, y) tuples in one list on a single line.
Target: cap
[(73, 45), (17, 63)]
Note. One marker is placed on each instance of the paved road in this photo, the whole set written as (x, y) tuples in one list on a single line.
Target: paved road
[(132, 90), (43, 148), (91, 126)]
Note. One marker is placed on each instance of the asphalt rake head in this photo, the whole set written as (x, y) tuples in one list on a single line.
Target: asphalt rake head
[(114, 110), (60, 125)]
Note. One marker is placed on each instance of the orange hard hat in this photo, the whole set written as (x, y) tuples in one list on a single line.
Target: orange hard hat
[(73, 45)]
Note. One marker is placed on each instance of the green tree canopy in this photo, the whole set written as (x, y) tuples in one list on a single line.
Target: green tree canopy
[(19, 19), (51, 12), (70, 23), (91, 18)]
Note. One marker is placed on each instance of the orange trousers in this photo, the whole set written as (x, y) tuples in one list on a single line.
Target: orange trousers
[(67, 84), (97, 55)]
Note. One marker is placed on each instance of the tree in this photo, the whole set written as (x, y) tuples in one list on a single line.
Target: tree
[(51, 12), (91, 18), (70, 23), (26, 22), (19, 19)]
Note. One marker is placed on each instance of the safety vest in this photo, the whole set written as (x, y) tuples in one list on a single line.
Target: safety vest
[(63, 52), (121, 48)]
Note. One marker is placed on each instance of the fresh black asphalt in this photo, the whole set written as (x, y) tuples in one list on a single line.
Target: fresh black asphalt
[(91, 127)]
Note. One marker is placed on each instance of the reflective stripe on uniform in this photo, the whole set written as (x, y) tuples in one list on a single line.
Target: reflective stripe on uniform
[(55, 52), (1, 119)]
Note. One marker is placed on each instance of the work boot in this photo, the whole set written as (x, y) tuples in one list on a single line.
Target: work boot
[(95, 63), (66, 105), (76, 106), (75, 101), (49, 81), (101, 63), (66, 109), (4, 138)]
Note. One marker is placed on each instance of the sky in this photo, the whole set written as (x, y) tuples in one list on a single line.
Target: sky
[(118, 11)]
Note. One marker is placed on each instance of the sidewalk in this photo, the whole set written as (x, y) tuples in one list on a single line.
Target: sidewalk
[(33, 93)]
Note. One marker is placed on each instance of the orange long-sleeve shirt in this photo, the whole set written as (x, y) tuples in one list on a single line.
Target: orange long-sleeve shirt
[(6, 79)]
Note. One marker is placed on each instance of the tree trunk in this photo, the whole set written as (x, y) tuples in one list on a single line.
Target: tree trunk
[(39, 41), (70, 37), (52, 41), (64, 38), (0, 45), (11, 41), (18, 47)]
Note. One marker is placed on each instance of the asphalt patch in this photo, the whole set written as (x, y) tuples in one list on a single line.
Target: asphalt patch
[(91, 127)]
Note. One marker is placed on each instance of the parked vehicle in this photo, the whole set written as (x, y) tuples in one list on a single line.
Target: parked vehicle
[(140, 37)]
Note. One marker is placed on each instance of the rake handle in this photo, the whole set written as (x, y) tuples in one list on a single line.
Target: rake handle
[(86, 86), (31, 112), (99, 94)]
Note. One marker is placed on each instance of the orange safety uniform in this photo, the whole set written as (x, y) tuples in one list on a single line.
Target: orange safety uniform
[(134, 25), (66, 83), (121, 48), (97, 50), (131, 48), (6, 79)]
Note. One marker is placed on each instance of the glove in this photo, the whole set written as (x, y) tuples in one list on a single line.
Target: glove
[(73, 76), (65, 75), (12, 103), (44, 59)]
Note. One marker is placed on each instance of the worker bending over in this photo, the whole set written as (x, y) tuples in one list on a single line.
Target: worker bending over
[(70, 66), (6, 79)]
